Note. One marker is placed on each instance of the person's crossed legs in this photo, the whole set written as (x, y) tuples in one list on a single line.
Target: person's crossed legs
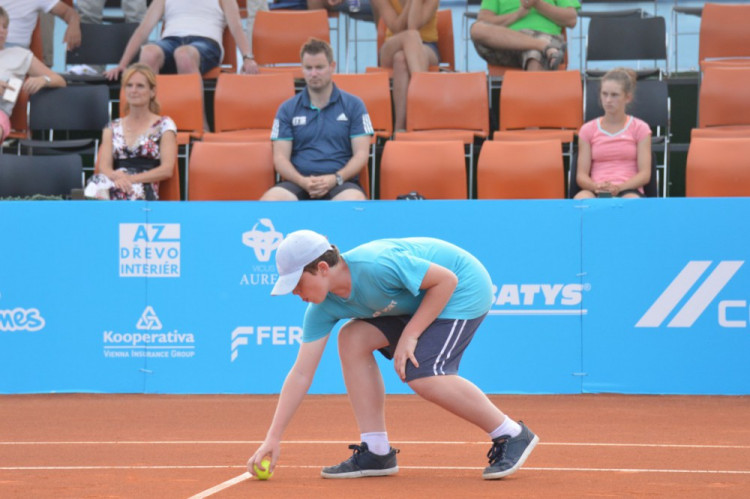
[(527, 49), (406, 54)]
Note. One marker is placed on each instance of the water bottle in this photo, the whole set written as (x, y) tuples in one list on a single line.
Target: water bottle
[(353, 5)]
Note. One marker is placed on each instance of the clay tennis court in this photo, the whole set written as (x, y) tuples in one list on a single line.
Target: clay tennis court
[(165, 446)]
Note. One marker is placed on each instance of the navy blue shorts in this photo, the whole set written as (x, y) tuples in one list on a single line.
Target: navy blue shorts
[(208, 49), (439, 349)]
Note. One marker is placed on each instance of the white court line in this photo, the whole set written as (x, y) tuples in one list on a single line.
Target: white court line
[(115, 467), (346, 442), (238, 479), (218, 488)]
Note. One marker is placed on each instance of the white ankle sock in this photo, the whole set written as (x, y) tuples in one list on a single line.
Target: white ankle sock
[(377, 442), (509, 427)]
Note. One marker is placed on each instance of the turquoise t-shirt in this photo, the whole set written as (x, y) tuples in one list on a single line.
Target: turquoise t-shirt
[(386, 276), (533, 20)]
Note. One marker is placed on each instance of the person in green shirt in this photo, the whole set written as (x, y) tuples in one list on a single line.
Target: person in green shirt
[(523, 33)]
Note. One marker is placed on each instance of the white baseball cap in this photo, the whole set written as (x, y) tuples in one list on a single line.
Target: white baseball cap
[(297, 250)]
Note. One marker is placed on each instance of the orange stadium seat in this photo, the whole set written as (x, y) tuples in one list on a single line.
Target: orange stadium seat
[(718, 167), (278, 36), (724, 101), (521, 170), (246, 105), (448, 106), (540, 104), (724, 32), (230, 171), (434, 169)]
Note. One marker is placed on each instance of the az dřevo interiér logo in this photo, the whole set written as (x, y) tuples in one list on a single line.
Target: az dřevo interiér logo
[(149, 250), (701, 298)]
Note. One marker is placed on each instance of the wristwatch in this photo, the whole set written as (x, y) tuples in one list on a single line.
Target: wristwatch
[(247, 57), (339, 179), (47, 79)]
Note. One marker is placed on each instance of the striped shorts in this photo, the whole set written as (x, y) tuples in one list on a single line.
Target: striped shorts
[(439, 349)]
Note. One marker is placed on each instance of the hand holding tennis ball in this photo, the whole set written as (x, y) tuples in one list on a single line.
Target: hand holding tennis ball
[(263, 474)]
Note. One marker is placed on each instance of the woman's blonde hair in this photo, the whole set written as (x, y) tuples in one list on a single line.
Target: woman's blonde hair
[(143, 69), (626, 77)]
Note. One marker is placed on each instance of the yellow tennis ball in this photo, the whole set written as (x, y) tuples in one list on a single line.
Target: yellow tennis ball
[(263, 475)]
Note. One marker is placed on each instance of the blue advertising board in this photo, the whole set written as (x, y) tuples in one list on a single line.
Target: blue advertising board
[(629, 296)]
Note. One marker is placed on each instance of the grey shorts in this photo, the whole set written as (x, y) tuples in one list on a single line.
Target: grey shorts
[(515, 58), (303, 195), (439, 349)]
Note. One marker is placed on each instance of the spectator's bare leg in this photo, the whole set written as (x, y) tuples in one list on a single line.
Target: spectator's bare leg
[(400, 89), (187, 59), (502, 38), (534, 65), (406, 54), (152, 56), (417, 55)]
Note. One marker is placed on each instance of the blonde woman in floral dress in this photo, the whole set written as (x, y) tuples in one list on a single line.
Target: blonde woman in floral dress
[(139, 150)]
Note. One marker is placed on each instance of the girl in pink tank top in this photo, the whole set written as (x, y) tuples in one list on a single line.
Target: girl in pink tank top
[(614, 151)]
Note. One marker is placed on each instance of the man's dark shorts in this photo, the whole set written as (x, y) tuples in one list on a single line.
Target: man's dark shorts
[(303, 195), (439, 349)]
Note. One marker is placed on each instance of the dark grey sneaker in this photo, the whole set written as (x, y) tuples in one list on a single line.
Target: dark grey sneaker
[(507, 454), (363, 463)]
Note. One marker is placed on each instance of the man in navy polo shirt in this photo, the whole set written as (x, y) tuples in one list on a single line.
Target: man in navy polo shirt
[(321, 136)]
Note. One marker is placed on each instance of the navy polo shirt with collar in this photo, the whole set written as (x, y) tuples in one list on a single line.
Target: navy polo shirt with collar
[(321, 138)]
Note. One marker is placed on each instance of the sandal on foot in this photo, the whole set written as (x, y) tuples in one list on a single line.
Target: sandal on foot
[(552, 63)]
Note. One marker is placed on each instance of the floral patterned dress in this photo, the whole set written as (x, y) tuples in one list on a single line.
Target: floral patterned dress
[(145, 147)]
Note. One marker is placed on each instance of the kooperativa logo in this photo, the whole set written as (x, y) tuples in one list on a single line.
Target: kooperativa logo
[(149, 340), (149, 320), (149, 250), (731, 313)]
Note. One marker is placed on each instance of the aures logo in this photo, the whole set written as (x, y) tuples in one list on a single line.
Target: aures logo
[(699, 300)]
